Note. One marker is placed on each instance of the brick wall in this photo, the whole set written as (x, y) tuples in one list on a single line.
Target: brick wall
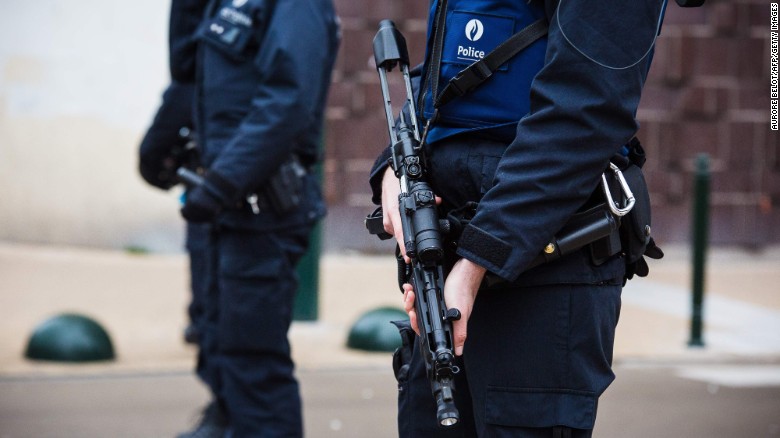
[(708, 92)]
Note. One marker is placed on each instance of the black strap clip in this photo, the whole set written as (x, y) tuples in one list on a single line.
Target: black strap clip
[(465, 81)]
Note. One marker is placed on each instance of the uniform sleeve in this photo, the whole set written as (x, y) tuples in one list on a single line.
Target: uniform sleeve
[(163, 136), (583, 106), (294, 67), (185, 17)]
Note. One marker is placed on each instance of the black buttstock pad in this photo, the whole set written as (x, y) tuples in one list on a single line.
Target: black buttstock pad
[(375, 226)]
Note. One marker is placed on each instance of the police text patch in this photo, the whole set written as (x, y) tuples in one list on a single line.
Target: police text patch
[(470, 36)]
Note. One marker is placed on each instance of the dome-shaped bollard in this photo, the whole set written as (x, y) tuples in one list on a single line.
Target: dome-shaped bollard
[(69, 338), (373, 331)]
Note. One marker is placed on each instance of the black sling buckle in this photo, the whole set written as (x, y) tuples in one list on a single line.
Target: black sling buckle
[(478, 72)]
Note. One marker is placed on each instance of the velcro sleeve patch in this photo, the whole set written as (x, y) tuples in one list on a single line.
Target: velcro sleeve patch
[(486, 246)]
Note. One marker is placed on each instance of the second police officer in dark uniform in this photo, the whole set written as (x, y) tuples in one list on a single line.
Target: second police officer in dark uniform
[(263, 70), (530, 144)]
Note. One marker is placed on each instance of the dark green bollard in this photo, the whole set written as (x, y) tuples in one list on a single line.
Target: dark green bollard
[(306, 305), (373, 331), (306, 299), (700, 231), (70, 338)]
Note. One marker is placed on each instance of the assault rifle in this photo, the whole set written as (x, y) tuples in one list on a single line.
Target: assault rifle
[(421, 229)]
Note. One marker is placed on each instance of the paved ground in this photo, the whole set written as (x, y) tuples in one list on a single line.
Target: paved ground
[(730, 388), (645, 402)]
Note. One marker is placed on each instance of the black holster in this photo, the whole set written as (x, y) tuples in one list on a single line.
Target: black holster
[(283, 191)]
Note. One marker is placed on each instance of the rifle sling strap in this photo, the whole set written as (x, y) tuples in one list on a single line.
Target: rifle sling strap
[(432, 75)]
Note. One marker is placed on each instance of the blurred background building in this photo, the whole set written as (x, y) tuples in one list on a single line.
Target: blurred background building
[(80, 81)]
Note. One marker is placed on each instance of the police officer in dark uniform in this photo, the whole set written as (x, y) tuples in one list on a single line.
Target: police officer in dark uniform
[(263, 69), (169, 142), (530, 145)]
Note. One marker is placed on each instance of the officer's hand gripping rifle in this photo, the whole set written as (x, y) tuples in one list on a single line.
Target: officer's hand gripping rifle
[(421, 229)]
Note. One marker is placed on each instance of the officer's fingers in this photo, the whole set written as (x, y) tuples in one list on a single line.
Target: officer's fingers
[(387, 223), (390, 191), (392, 222), (409, 307), (460, 291), (408, 297), (459, 335), (389, 220), (455, 297), (391, 215), (395, 218), (413, 321), (407, 260)]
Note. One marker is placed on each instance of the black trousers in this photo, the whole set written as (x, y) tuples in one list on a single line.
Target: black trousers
[(197, 244), (245, 353)]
